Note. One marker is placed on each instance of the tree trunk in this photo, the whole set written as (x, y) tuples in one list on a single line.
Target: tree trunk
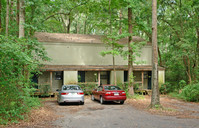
[(69, 23), (189, 70), (11, 10), (187, 66), (113, 56), (155, 98), (17, 17), (85, 26), (196, 63), (197, 48), (130, 57), (31, 32), (26, 72), (7, 16), (159, 54), (77, 28), (21, 18), (120, 29), (63, 23), (0, 16)]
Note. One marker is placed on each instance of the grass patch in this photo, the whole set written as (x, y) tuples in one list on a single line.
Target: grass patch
[(136, 96), (175, 95)]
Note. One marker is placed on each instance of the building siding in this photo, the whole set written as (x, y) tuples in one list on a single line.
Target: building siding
[(88, 54)]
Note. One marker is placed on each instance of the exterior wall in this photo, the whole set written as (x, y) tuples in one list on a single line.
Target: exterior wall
[(56, 84), (161, 77), (88, 54), (145, 84), (119, 77), (137, 76), (70, 77), (44, 79), (91, 76), (138, 79), (145, 55)]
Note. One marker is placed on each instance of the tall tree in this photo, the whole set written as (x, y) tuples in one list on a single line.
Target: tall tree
[(17, 16), (11, 10), (113, 56), (155, 99), (7, 16), (21, 18), (0, 16), (130, 56)]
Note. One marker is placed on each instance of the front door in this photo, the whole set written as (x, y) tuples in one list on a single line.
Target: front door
[(149, 80), (105, 77)]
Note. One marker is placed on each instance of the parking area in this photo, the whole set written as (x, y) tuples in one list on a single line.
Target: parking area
[(112, 115)]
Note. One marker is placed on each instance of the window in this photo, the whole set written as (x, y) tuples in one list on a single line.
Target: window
[(81, 76), (59, 75), (71, 88), (100, 88), (125, 76), (111, 88)]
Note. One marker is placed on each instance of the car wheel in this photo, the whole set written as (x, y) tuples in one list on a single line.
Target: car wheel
[(82, 103), (92, 97), (121, 102), (101, 100), (59, 103)]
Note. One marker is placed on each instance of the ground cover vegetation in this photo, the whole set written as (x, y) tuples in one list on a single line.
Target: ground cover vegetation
[(178, 41)]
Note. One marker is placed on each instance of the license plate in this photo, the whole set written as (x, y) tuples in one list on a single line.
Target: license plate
[(72, 93), (116, 94)]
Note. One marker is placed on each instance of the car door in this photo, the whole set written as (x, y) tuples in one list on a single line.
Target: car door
[(98, 93), (59, 94)]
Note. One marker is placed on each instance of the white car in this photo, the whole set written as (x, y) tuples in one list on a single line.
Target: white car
[(70, 93)]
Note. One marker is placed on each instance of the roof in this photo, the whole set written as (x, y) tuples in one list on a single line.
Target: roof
[(96, 67), (77, 38)]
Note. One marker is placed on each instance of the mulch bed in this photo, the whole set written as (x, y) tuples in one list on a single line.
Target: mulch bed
[(37, 118), (170, 107)]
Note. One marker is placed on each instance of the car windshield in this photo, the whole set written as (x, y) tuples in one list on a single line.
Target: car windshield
[(111, 88), (71, 88)]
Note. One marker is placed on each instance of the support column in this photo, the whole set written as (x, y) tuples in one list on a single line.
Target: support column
[(51, 81), (99, 78), (142, 80)]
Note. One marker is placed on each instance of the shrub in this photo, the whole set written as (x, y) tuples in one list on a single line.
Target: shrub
[(191, 93), (167, 88), (136, 86), (44, 89), (87, 87), (182, 84), (163, 89), (124, 87)]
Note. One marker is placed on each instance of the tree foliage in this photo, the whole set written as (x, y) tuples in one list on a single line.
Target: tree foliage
[(179, 40), (16, 63)]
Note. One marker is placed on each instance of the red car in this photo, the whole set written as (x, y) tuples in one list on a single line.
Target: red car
[(108, 93)]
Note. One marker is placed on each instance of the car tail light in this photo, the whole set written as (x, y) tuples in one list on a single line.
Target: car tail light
[(64, 93), (80, 93), (109, 94), (123, 94)]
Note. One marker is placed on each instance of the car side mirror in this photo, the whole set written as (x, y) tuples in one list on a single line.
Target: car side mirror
[(57, 90)]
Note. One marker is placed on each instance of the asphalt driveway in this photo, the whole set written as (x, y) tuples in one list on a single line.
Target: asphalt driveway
[(113, 115)]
